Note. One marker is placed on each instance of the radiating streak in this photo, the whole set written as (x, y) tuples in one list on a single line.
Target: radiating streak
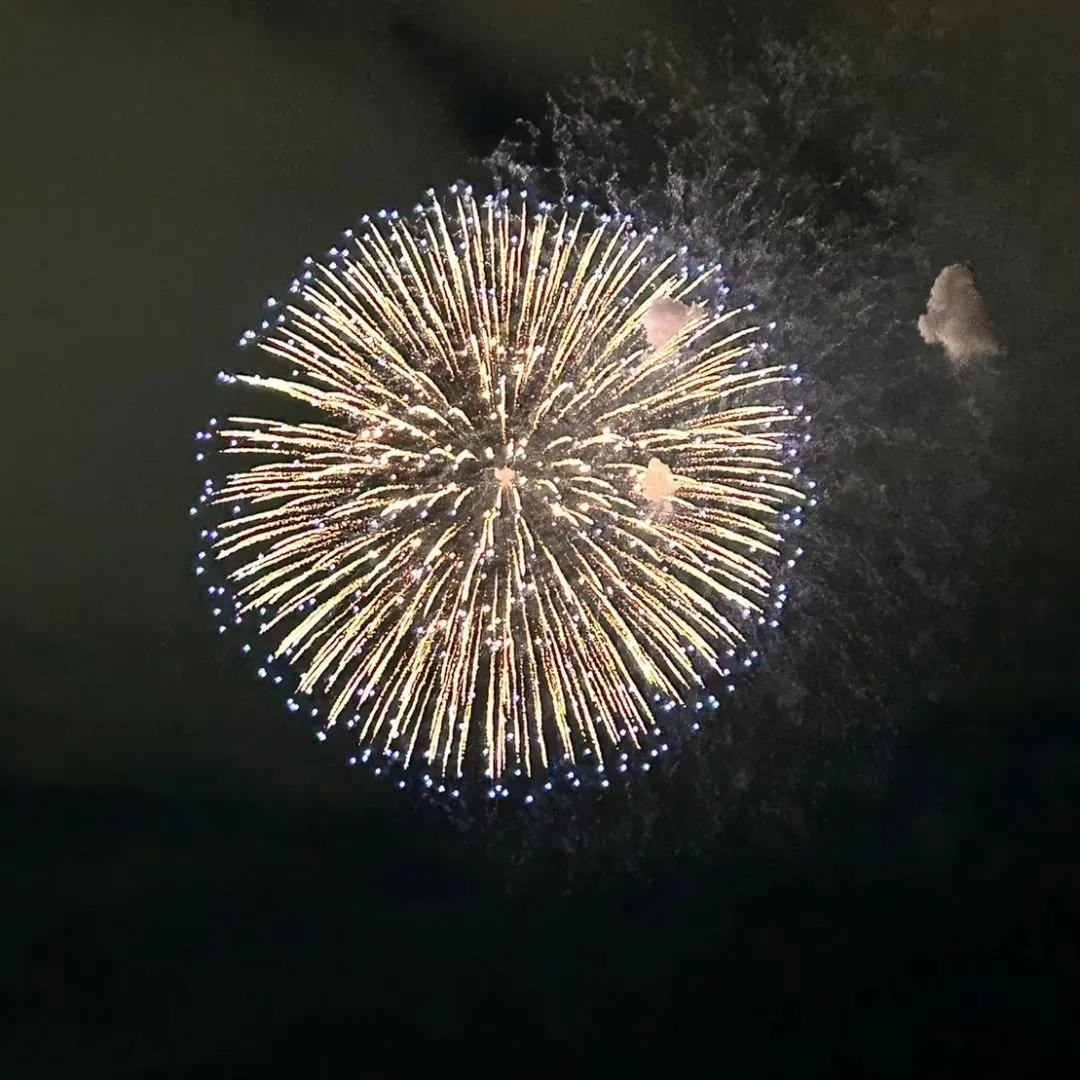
[(462, 557)]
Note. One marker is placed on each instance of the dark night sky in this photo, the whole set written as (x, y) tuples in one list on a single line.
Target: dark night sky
[(188, 886)]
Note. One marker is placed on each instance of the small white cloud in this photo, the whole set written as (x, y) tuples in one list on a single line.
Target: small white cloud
[(664, 319), (956, 319), (658, 483)]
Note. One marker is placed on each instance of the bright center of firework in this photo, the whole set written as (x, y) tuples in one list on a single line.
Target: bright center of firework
[(540, 497)]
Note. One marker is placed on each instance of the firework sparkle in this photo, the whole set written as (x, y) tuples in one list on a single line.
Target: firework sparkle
[(545, 501)]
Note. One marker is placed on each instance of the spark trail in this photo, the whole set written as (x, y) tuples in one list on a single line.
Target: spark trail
[(519, 527)]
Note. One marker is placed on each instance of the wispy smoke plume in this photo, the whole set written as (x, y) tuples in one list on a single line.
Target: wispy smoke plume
[(826, 217), (956, 319)]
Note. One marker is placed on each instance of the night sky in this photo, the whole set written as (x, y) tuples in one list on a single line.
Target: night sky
[(189, 884)]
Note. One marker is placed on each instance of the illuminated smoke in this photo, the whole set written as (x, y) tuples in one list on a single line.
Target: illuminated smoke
[(956, 319), (459, 553), (664, 319), (658, 484)]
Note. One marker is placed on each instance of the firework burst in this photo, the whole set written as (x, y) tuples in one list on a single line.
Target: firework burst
[(541, 498)]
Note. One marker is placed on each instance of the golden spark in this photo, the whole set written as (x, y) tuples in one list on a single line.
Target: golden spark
[(460, 556)]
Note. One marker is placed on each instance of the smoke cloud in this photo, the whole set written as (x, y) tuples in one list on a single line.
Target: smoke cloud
[(956, 319), (658, 483), (664, 319)]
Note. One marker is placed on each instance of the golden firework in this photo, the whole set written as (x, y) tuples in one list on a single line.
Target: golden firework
[(542, 497)]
